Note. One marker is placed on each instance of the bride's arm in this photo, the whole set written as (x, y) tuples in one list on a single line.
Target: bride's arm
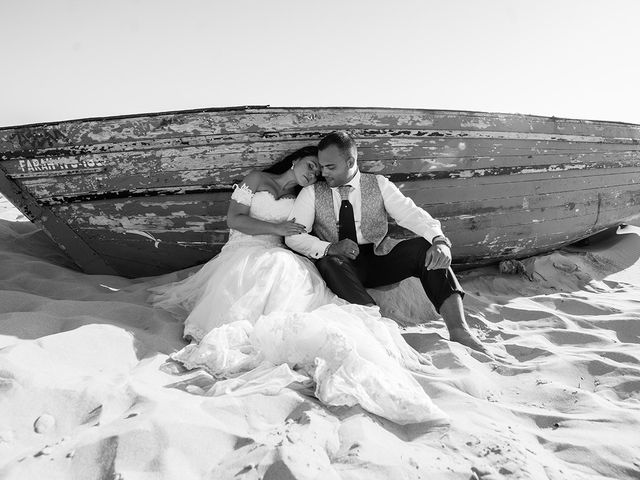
[(238, 216)]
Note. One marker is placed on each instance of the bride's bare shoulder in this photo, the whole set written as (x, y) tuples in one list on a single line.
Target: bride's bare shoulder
[(255, 179)]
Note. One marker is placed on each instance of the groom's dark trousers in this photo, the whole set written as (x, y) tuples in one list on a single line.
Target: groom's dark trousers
[(349, 279)]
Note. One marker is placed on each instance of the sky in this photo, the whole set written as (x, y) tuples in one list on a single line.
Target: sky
[(65, 59)]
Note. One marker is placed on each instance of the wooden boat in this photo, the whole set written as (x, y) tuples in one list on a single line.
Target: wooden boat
[(142, 195)]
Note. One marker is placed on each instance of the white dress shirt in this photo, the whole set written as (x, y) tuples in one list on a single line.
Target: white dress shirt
[(400, 208)]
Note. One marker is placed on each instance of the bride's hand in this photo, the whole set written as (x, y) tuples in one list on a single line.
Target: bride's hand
[(288, 228)]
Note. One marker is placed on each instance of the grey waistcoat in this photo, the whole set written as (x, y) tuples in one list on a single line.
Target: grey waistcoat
[(374, 216)]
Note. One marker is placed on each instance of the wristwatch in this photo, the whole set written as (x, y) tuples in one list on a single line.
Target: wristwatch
[(441, 240)]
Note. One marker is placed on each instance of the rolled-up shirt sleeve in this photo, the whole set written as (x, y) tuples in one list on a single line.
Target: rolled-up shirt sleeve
[(304, 212), (406, 213)]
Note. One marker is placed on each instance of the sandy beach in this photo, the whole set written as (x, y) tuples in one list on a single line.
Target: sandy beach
[(86, 392)]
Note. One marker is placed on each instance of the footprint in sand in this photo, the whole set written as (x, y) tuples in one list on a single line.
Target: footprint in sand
[(616, 286), (569, 337), (525, 314), (574, 306), (620, 357), (524, 354), (627, 329), (488, 473), (597, 367), (628, 390)]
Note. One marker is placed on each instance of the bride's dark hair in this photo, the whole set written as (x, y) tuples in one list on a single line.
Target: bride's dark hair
[(286, 163)]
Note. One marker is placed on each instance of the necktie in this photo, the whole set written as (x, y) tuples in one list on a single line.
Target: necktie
[(346, 221)]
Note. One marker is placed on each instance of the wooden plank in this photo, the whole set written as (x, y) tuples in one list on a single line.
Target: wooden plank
[(144, 127), (375, 154), (569, 200), (501, 248), (459, 141), (440, 151), (176, 227), (423, 191), (166, 211), (194, 165), (206, 208), (201, 213), (157, 178), (189, 219), (487, 188), (504, 219), (498, 245)]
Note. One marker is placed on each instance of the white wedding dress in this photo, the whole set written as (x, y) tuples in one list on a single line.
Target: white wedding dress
[(263, 319)]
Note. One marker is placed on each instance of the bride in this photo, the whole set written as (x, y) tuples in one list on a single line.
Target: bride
[(259, 315)]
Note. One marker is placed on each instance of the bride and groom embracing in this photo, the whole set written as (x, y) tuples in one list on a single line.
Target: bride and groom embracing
[(263, 316)]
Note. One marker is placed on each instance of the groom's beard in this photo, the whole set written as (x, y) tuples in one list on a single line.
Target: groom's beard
[(334, 182)]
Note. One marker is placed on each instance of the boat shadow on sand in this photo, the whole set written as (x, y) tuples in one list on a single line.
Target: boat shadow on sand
[(42, 292)]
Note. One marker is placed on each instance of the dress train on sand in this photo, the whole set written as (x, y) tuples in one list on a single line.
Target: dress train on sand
[(262, 318)]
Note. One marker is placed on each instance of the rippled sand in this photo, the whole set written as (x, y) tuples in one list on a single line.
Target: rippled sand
[(84, 393)]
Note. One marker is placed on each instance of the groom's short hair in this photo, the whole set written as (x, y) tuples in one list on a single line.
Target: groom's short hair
[(342, 140)]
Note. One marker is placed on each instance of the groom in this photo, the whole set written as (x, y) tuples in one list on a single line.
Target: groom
[(348, 216)]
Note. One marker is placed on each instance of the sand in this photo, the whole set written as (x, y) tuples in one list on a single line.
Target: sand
[(86, 393)]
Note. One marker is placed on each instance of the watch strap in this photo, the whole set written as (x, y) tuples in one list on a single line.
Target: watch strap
[(441, 240)]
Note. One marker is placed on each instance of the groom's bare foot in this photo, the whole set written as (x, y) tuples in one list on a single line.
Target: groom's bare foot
[(465, 337)]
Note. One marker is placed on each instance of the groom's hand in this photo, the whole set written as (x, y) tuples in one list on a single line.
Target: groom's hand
[(438, 256), (344, 248)]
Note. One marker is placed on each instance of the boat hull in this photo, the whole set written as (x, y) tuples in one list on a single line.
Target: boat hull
[(147, 194)]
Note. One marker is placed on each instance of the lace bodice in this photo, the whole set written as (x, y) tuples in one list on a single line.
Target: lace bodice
[(263, 206)]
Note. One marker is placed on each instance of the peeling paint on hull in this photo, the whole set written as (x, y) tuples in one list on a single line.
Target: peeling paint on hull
[(147, 194)]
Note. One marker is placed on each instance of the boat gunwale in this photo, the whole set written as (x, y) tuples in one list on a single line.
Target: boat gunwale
[(244, 108), (360, 134)]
